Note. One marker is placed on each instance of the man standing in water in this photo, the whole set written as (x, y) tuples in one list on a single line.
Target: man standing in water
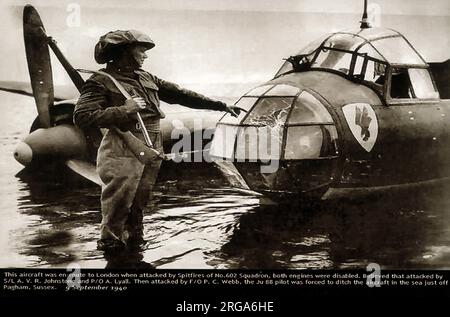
[(128, 183)]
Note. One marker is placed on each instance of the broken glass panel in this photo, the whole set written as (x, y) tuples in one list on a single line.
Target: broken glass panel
[(270, 111)]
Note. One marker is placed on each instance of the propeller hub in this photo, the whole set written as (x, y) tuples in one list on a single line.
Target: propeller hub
[(23, 153)]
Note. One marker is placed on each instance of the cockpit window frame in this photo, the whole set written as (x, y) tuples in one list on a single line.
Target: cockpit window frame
[(411, 100), (355, 54), (306, 64)]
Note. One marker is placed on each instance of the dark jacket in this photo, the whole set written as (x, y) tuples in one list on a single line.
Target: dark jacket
[(100, 102)]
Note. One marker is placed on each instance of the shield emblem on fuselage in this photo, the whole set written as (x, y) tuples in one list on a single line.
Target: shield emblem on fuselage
[(363, 123)]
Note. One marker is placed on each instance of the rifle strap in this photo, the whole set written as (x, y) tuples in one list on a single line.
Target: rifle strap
[(127, 96), (145, 155)]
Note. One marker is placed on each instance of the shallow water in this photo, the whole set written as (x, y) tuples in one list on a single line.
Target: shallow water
[(197, 221)]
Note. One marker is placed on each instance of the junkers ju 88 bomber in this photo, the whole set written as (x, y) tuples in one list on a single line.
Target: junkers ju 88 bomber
[(355, 112)]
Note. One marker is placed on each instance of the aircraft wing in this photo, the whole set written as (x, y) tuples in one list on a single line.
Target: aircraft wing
[(68, 92), (24, 88), (16, 87)]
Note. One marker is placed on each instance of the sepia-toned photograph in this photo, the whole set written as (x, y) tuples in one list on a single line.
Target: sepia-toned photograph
[(223, 135)]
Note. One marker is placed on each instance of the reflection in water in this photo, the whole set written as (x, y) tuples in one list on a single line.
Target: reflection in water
[(196, 222), (182, 224), (67, 220), (131, 259), (403, 231)]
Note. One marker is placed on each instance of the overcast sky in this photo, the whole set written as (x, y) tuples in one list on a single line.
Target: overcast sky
[(410, 7), (222, 41)]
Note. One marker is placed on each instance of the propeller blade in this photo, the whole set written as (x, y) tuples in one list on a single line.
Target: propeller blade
[(85, 169), (39, 64)]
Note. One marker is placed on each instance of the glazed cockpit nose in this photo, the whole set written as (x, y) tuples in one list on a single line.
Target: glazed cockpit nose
[(285, 127)]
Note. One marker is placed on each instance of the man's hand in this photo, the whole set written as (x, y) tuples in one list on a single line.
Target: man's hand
[(235, 111), (134, 105), (166, 157)]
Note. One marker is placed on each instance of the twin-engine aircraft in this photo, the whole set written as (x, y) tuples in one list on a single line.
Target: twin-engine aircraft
[(355, 112)]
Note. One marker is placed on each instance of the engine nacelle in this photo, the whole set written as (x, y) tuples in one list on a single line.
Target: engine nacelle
[(63, 141)]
